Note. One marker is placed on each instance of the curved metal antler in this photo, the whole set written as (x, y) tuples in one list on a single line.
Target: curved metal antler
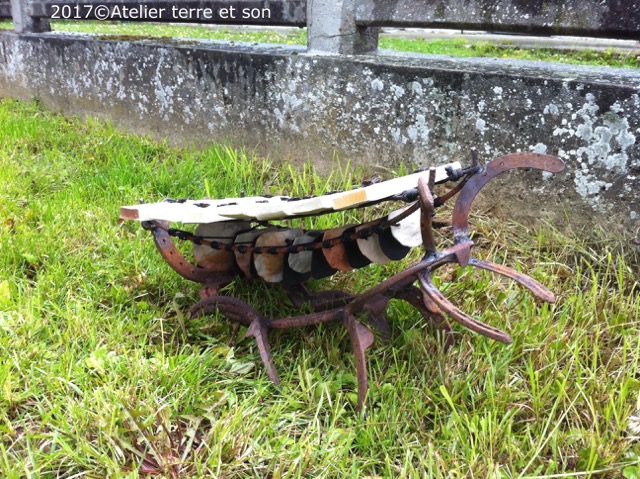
[(492, 169), (470, 191), (461, 255), (538, 290)]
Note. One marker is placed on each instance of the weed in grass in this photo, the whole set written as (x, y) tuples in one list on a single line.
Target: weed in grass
[(104, 375)]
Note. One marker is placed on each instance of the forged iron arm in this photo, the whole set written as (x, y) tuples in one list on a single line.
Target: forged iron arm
[(538, 290), (361, 340), (428, 210), (464, 319), (176, 260), (492, 169)]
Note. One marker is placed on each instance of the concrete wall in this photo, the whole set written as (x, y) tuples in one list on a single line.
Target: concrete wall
[(381, 109)]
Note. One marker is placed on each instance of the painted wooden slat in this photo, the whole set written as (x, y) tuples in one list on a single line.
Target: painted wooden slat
[(385, 189), (185, 212), (262, 208)]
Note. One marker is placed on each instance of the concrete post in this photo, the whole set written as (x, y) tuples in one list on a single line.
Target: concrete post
[(331, 28), (23, 21)]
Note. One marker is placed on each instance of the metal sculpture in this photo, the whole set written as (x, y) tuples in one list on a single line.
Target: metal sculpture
[(228, 244)]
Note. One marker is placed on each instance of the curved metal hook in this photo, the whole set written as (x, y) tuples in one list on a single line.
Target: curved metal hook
[(464, 319), (499, 165), (176, 260)]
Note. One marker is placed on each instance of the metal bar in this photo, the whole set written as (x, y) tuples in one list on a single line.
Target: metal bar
[(494, 168), (429, 311), (594, 18), (258, 330), (361, 339), (537, 289), (464, 319), (426, 216), (409, 275)]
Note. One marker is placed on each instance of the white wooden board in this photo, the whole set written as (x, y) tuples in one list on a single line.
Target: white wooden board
[(262, 208)]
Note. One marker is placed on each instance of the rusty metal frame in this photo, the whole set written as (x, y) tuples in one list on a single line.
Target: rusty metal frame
[(369, 306)]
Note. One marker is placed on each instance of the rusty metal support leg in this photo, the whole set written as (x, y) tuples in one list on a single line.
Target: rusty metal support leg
[(538, 290), (429, 311), (361, 340), (239, 311), (258, 329), (464, 319), (427, 211), (376, 309), (213, 288), (323, 301)]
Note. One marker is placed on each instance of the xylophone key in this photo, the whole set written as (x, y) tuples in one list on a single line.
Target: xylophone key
[(337, 255)]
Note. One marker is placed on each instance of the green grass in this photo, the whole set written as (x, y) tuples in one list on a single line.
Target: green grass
[(104, 375), (452, 47), (464, 48)]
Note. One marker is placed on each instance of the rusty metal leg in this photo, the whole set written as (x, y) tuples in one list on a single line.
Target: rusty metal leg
[(464, 319), (239, 311), (232, 308), (430, 312), (427, 211), (298, 294), (258, 329), (327, 300), (376, 315), (323, 301), (538, 290), (212, 288), (361, 340)]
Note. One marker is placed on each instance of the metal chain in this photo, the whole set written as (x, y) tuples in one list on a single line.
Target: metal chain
[(374, 228)]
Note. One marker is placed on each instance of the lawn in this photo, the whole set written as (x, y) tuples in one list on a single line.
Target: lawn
[(456, 47), (103, 374)]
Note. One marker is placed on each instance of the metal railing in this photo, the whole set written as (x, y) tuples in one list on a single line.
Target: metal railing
[(593, 18), (349, 26)]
